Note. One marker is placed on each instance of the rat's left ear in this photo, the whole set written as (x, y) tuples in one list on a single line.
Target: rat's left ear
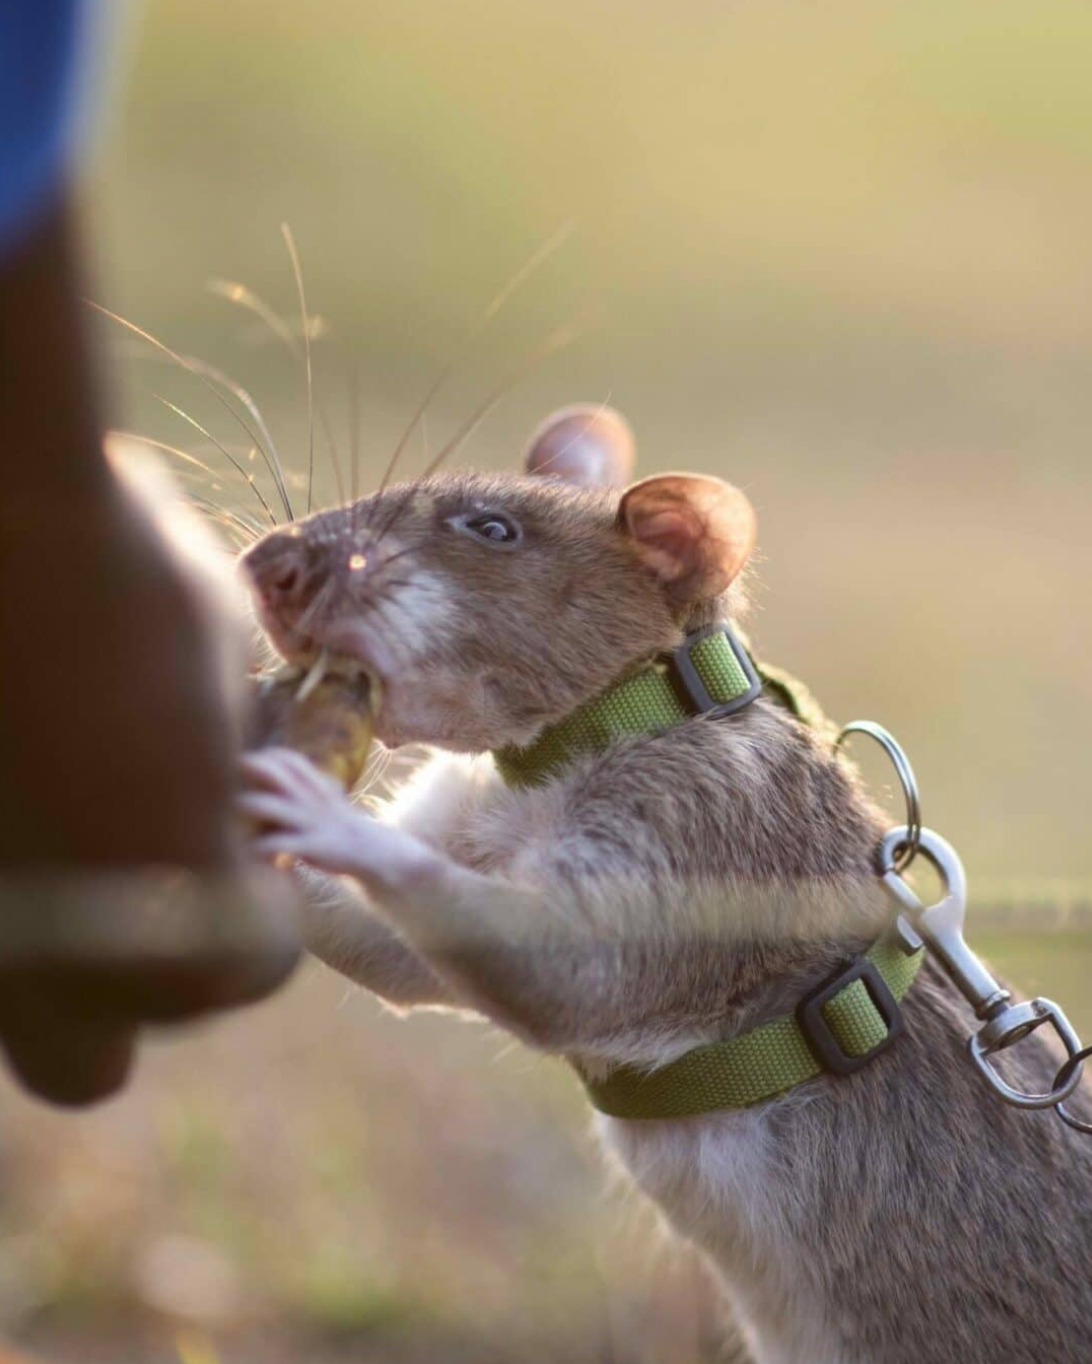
[(694, 533), (587, 444)]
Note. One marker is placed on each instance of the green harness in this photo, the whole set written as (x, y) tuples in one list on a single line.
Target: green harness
[(838, 1028)]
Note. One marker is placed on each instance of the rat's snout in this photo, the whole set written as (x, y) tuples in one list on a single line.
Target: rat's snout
[(285, 571), (305, 576)]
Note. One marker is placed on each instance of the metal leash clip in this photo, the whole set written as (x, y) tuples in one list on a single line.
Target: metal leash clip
[(939, 928)]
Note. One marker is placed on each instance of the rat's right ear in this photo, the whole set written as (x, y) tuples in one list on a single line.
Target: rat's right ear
[(588, 444), (694, 533)]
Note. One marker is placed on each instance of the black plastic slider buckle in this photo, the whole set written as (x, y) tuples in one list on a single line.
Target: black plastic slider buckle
[(690, 683), (824, 1045)]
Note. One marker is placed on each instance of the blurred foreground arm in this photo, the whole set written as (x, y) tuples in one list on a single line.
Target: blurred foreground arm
[(116, 748)]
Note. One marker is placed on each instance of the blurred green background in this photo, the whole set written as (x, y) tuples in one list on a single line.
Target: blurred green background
[(838, 254)]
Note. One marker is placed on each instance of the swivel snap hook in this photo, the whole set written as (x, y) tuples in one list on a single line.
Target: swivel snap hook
[(939, 927)]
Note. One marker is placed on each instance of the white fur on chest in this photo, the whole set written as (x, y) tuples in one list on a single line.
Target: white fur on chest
[(717, 1182), (458, 804), (716, 1179)]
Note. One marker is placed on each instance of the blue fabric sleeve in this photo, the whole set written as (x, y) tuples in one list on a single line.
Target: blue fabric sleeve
[(39, 42)]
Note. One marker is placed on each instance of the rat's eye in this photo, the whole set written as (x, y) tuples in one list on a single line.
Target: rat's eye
[(496, 527)]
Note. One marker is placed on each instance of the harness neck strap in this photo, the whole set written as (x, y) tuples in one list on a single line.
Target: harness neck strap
[(710, 673)]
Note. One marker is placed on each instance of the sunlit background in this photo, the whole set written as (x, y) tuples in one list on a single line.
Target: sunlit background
[(838, 254)]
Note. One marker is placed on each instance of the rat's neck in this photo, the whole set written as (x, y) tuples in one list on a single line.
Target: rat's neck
[(712, 673)]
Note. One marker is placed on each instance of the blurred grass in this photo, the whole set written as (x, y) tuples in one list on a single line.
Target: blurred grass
[(838, 254)]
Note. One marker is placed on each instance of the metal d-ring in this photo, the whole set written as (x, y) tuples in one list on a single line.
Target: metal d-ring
[(1061, 1082), (909, 783)]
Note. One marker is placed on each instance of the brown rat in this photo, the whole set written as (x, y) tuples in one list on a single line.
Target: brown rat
[(671, 889)]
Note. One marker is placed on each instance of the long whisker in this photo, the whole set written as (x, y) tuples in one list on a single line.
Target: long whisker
[(293, 255), (226, 518), (354, 437), (419, 412), (235, 464), (321, 600), (203, 373), (393, 558), (241, 517), (270, 455), (544, 252), (575, 439), (548, 248), (379, 607), (558, 340), (170, 450), (195, 485), (234, 292), (267, 446), (397, 512)]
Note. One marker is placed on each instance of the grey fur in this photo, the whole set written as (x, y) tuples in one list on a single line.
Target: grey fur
[(679, 888)]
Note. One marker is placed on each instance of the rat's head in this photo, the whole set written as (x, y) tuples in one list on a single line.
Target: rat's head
[(490, 606)]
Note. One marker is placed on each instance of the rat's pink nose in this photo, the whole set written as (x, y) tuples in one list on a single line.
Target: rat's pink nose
[(283, 571)]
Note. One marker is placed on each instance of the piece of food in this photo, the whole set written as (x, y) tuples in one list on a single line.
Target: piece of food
[(327, 714)]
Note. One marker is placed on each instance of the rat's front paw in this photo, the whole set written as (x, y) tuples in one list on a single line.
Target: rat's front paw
[(302, 813)]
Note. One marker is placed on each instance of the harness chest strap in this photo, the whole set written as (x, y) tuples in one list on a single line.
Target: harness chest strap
[(840, 1028)]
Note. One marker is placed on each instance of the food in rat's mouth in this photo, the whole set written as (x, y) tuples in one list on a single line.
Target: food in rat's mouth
[(327, 714)]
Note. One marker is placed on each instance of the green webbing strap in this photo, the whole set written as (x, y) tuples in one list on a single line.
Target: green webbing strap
[(760, 1064), (777, 1056), (642, 703)]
